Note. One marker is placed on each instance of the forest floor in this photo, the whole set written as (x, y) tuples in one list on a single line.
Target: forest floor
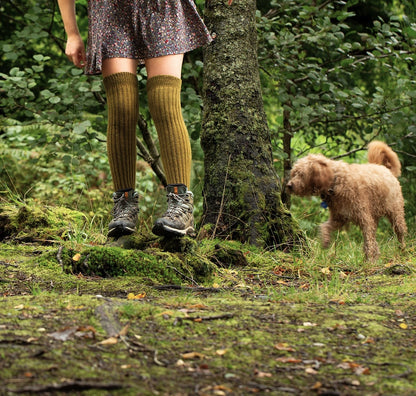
[(258, 323)]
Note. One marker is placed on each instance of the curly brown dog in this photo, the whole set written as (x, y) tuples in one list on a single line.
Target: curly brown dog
[(357, 193)]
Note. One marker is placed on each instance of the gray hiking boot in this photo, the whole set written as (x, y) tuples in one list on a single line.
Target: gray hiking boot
[(178, 219), (125, 213)]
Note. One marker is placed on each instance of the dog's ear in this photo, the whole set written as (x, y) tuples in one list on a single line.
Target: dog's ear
[(322, 175)]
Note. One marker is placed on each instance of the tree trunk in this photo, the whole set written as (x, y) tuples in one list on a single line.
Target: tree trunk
[(241, 188)]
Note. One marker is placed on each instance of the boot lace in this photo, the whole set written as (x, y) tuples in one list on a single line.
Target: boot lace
[(177, 206), (125, 208)]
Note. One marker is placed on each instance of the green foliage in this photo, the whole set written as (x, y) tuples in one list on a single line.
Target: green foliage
[(31, 22), (66, 101), (335, 75), (347, 85)]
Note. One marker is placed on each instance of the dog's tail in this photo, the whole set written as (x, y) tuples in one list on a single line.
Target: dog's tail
[(381, 154)]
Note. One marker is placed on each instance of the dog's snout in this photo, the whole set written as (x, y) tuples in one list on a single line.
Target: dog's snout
[(289, 186)]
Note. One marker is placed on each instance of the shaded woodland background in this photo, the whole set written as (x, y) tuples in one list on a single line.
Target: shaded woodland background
[(334, 76)]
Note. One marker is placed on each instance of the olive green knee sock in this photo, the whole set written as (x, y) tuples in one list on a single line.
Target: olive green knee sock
[(164, 97), (123, 111)]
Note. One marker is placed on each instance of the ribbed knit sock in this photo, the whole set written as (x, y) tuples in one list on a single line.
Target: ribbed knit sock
[(164, 97), (123, 111)]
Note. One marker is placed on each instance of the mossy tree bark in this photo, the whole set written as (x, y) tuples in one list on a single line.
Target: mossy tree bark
[(242, 192)]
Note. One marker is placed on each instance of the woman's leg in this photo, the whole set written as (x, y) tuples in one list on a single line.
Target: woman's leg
[(170, 65), (120, 83), (119, 65), (164, 97)]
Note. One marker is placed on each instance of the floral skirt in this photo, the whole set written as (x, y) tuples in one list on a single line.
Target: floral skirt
[(141, 29)]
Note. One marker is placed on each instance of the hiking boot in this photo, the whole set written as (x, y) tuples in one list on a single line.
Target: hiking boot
[(125, 213), (178, 219)]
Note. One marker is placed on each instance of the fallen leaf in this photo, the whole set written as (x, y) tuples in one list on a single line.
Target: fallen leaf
[(309, 324), (85, 332), (369, 340), (344, 365), (399, 312), (165, 313), (326, 271), (64, 334), (288, 359), (223, 387), (262, 374), (180, 363), (337, 327), (221, 352), (124, 330), (283, 346), (316, 386), (281, 282), (196, 306), (403, 326), (362, 371), (343, 275), (132, 296), (109, 341), (76, 257), (217, 390), (355, 367), (278, 270), (310, 370), (192, 355), (203, 367)]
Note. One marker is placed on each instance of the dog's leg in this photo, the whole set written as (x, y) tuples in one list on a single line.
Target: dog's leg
[(371, 249), (399, 226), (328, 228), (325, 234)]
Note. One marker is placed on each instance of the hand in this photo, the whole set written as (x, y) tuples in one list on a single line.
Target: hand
[(229, 2), (75, 51)]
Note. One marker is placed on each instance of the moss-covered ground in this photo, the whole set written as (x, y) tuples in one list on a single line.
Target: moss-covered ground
[(144, 316)]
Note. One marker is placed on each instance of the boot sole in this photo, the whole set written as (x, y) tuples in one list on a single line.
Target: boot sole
[(120, 231), (163, 230)]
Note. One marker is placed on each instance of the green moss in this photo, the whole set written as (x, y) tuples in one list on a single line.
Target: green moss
[(153, 266), (31, 221)]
